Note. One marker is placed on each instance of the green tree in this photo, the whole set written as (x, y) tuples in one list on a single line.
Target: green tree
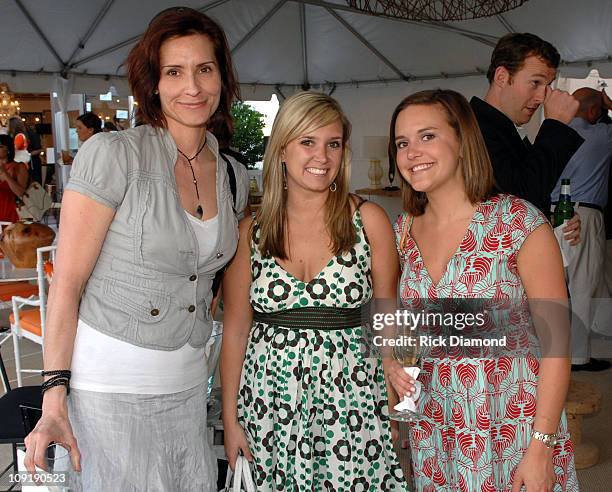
[(248, 136)]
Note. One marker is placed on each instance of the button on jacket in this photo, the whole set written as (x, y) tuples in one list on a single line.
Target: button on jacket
[(146, 287)]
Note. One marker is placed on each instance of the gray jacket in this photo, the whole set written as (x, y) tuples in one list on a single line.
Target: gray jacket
[(146, 287)]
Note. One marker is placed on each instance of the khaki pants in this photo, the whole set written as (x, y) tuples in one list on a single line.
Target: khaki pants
[(585, 275), (602, 318)]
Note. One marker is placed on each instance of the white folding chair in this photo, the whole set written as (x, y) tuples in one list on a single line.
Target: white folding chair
[(30, 323)]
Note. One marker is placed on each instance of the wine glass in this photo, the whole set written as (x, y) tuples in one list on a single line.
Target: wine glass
[(407, 352), (59, 466)]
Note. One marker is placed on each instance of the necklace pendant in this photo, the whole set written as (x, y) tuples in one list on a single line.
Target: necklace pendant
[(200, 212)]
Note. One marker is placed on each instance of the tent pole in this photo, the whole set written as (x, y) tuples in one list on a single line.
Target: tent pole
[(91, 30), (42, 36), (368, 45), (258, 26), (306, 84)]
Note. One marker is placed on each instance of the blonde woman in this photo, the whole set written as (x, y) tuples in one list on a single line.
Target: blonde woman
[(300, 399)]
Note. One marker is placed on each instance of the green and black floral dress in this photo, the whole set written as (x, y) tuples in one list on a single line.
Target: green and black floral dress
[(313, 407)]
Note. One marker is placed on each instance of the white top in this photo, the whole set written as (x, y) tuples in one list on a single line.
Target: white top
[(108, 365), (206, 234)]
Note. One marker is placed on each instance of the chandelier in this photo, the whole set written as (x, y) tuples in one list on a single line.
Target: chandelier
[(8, 105), (435, 10)]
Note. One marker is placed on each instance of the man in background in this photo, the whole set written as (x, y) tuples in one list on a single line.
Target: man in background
[(521, 71), (588, 171)]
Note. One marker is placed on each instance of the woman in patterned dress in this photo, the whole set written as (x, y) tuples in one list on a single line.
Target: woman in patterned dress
[(459, 240), (300, 397)]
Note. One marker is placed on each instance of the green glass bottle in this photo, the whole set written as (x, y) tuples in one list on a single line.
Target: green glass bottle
[(564, 210)]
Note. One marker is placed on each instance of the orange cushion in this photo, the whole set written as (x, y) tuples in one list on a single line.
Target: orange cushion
[(23, 289), (29, 319)]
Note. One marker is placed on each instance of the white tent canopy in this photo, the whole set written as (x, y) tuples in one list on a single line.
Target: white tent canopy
[(285, 44)]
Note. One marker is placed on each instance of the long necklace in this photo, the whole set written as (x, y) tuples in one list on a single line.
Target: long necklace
[(199, 210)]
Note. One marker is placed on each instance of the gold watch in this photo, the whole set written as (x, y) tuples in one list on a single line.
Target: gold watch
[(549, 440)]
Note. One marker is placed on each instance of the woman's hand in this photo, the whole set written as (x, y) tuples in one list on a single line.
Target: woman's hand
[(401, 382), (535, 471), (53, 427), (235, 442)]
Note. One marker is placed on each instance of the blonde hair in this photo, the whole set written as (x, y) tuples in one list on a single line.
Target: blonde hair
[(474, 162), (300, 114)]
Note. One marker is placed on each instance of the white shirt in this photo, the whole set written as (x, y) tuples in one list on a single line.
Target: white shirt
[(108, 365)]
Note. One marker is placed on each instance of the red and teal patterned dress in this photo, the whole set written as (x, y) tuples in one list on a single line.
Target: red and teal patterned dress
[(480, 410)]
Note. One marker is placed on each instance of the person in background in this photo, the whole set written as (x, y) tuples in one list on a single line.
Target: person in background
[(109, 126), (87, 125), (147, 222), (588, 171), (19, 132), (603, 305), (35, 149), (299, 397), (120, 124), (28, 146), (494, 421), (13, 180), (521, 71), (607, 286)]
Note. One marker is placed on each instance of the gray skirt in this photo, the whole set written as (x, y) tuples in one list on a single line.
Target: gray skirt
[(132, 442)]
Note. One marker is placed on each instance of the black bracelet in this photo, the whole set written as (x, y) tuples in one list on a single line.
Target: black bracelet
[(58, 372), (57, 380)]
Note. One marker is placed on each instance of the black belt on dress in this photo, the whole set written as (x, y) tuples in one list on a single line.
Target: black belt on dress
[(584, 204), (313, 317)]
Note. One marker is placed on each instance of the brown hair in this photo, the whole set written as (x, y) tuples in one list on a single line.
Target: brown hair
[(7, 141), (92, 121), (144, 70), (300, 114), (512, 49), (475, 164)]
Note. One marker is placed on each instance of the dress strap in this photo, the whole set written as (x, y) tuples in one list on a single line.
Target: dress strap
[(360, 200), (406, 226)]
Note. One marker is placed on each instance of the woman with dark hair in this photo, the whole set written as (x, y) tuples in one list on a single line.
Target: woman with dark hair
[(147, 222), (87, 125), (493, 418), (13, 180)]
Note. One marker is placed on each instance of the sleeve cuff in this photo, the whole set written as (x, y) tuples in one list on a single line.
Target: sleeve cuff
[(569, 135), (85, 188)]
